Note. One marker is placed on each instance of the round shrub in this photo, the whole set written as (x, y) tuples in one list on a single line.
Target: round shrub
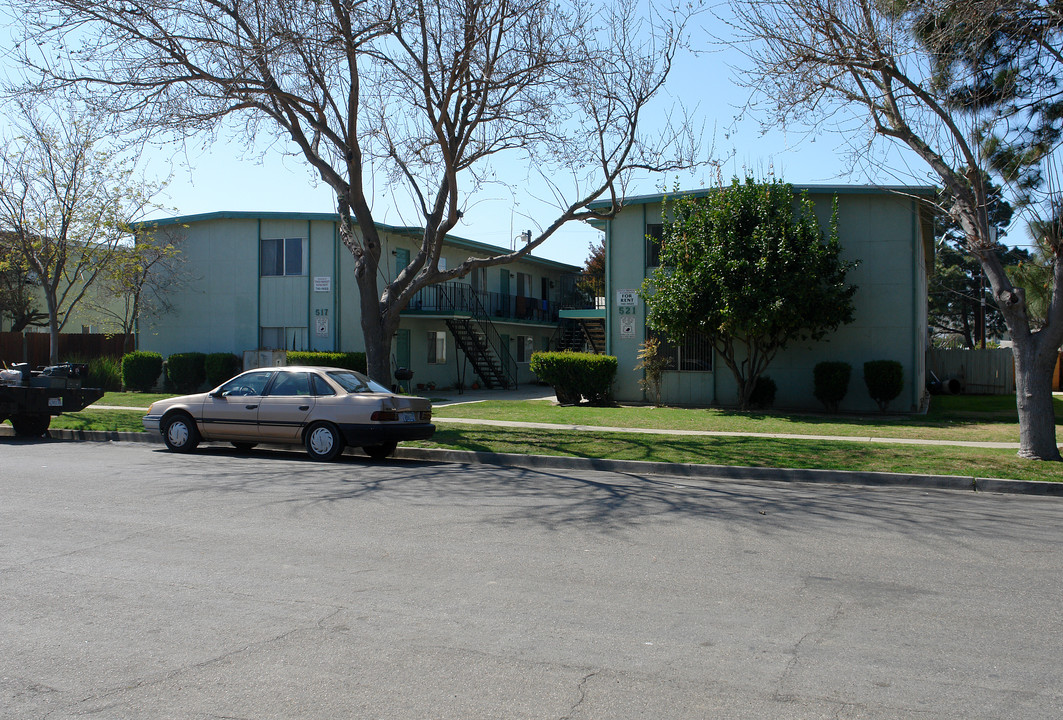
[(186, 371), (141, 370), (884, 380), (219, 367), (831, 383)]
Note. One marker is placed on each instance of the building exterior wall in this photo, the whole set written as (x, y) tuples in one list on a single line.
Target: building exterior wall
[(886, 232), (229, 306)]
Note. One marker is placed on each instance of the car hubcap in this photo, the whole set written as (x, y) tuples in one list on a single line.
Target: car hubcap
[(321, 441), (178, 433)]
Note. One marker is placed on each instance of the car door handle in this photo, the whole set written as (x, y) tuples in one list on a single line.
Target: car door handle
[(304, 407), (250, 407)]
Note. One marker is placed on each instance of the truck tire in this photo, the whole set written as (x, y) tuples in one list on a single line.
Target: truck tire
[(30, 424)]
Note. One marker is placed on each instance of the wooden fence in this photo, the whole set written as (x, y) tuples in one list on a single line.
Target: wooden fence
[(33, 348), (979, 372)]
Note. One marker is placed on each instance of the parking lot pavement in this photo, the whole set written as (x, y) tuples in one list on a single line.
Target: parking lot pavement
[(140, 584)]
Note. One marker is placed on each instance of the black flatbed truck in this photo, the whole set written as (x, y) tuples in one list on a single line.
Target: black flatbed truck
[(32, 402)]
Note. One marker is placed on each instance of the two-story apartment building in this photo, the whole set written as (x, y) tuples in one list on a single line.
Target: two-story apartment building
[(888, 230), (284, 281)]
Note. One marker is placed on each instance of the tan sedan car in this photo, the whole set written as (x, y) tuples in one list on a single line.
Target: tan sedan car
[(323, 408)]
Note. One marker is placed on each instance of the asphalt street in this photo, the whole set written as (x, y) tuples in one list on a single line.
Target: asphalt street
[(135, 583)]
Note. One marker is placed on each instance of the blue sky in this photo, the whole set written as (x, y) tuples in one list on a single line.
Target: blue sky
[(226, 175)]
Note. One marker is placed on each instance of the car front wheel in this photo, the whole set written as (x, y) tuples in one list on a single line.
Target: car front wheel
[(180, 433), (323, 442)]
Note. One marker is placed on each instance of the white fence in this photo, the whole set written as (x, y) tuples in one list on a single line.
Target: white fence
[(980, 372)]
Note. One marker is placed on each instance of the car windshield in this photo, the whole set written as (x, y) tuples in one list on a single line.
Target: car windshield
[(354, 382)]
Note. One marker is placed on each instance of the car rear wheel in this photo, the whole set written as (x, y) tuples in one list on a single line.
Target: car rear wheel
[(323, 442), (30, 424), (379, 452), (179, 433)]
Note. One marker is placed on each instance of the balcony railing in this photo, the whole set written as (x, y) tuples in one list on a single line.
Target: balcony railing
[(459, 298), (580, 291)]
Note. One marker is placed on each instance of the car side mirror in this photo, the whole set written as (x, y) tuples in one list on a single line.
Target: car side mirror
[(218, 394)]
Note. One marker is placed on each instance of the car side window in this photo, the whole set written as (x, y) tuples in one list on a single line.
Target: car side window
[(252, 383), (290, 384), (320, 386)]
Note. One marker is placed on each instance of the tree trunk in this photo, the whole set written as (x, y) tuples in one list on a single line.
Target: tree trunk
[(1033, 397)]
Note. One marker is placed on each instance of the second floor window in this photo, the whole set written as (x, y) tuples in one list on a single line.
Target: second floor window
[(282, 256), (654, 234)]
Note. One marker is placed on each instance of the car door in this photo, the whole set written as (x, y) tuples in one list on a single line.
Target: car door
[(284, 408), (231, 412)]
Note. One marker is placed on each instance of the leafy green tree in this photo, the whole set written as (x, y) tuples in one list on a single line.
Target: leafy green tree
[(748, 266)]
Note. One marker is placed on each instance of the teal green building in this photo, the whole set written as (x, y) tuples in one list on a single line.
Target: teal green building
[(889, 230), (258, 284)]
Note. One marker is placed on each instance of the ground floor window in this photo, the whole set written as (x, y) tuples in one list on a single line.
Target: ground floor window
[(691, 353), (282, 338), (525, 348), (437, 348)]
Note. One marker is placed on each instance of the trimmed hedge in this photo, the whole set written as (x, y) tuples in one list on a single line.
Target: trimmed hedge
[(186, 371), (831, 383), (348, 360), (219, 367), (884, 380), (141, 370), (576, 375)]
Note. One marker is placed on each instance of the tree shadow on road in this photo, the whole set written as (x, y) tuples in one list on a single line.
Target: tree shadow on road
[(611, 503)]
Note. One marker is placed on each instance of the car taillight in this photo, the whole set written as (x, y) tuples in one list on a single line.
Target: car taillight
[(384, 416)]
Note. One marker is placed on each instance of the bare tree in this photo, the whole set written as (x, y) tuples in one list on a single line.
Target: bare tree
[(65, 204), (423, 96), (139, 279), (962, 84)]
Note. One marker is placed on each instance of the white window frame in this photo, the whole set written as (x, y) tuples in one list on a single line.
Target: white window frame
[(285, 271)]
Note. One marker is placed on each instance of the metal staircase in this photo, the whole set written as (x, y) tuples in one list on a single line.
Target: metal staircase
[(581, 335), (483, 347)]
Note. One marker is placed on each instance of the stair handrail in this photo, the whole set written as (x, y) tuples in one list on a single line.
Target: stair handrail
[(483, 320)]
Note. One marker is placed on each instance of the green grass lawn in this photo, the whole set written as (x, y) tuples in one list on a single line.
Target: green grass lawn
[(749, 452), (132, 399), (978, 418), (951, 417)]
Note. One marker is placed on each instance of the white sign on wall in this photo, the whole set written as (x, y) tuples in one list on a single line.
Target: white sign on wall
[(627, 298), (627, 327), (321, 326), (323, 284)]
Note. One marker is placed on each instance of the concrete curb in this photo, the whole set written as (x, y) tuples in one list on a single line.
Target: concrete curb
[(635, 467)]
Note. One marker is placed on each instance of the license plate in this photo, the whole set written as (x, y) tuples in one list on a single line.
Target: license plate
[(55, 402), (407, 417)]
